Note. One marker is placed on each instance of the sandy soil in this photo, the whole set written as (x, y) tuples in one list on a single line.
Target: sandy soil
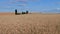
[(29, 23)]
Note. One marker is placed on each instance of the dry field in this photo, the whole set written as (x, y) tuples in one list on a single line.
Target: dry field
[(29, 23)]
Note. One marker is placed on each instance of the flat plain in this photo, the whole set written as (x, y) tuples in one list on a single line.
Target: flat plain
[(29, 23)]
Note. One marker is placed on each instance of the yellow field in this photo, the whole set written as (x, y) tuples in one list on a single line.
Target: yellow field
[(30, 24)]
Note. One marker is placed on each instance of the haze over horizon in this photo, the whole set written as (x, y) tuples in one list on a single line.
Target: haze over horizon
[(30, 5)]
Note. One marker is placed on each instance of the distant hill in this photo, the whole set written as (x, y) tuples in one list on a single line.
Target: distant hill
[(52, 11)]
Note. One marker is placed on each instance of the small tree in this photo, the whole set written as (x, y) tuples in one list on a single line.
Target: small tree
[(26, 12), (16, 11), (23, 13)]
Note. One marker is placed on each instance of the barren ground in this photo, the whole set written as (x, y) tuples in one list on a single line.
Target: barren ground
[(29, 23)]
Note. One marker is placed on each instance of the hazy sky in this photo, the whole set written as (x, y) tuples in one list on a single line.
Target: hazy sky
[(31, 5)]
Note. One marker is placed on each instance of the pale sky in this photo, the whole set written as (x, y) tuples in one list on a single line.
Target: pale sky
[(30, 5)]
